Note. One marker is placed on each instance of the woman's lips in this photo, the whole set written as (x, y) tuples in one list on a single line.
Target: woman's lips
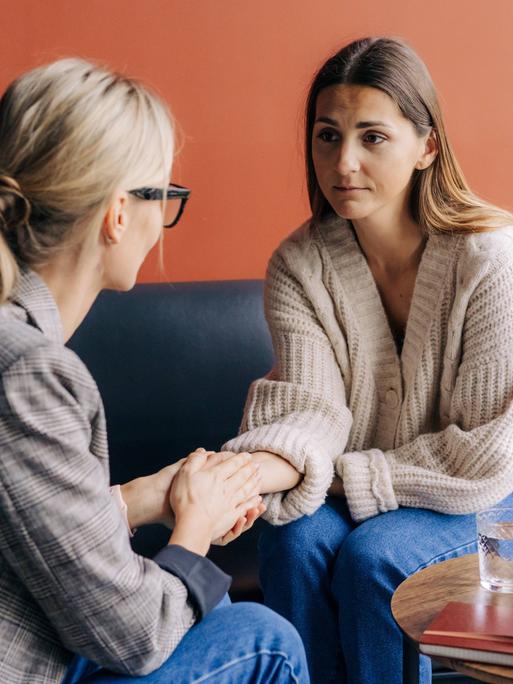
[(347, 188)]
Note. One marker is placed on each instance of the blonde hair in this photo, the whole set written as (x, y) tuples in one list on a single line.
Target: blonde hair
[(71, 135), (440, 199)]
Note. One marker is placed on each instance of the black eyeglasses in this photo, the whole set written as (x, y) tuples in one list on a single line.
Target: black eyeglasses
[(176, 199)]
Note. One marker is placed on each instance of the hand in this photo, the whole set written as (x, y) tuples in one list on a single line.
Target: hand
[(215, 494), (278, 475), (242, 525), (147, 498), (161, 482)]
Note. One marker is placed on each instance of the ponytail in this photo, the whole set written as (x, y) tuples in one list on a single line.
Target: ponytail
[(14, 214)]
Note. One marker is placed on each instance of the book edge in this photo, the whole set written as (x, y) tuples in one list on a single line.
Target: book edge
[(490, 657)]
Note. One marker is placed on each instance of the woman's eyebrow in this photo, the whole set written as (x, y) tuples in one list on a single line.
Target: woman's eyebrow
[(360, 124), (326, 119), (369, 124)]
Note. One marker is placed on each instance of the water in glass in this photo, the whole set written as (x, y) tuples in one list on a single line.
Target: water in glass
[(495, 545)]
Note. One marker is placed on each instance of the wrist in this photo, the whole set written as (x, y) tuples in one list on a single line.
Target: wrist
[(193, 534), (159, 485), (141, 498), (277, 473)]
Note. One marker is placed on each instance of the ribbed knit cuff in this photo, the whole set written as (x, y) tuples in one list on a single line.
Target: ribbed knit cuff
[(291, 444), (367, 483)]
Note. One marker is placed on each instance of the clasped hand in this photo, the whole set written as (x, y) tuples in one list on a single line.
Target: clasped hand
[(220, 491), (215, 492)]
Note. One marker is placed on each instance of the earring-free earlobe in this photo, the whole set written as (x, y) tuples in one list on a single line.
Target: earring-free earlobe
[(425, 164)]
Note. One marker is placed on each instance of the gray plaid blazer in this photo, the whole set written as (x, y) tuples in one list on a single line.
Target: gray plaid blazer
[(69, 580)]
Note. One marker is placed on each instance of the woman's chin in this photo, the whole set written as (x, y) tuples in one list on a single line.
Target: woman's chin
[(350, 210), (350, 214), (121, 283)]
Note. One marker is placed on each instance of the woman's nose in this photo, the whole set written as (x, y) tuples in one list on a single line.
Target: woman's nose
[(348, 161)]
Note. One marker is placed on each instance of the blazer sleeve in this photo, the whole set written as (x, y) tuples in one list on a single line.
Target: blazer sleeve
[(298, 410), (61, 533), (468, 465)]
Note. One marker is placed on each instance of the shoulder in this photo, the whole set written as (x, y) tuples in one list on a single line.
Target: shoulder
[(297, 242), (31, 362), (303, 249), (484, 254)]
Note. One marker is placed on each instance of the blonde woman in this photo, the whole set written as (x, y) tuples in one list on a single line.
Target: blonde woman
[(85, 160), (392, 320)]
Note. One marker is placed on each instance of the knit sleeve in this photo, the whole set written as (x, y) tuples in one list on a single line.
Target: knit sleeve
[(468, 465), (298, 410)]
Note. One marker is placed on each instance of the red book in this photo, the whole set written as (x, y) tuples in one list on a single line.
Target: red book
[(471, 631)]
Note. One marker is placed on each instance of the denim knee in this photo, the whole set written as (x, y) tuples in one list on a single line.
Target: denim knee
[(265, 623), (303, 539), (271, 632), (287, 542), (365, 563)]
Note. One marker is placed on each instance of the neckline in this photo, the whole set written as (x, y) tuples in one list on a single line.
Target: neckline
[(367, 311), (33, 295)]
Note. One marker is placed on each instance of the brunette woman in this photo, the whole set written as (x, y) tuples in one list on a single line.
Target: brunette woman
[(392, 320)]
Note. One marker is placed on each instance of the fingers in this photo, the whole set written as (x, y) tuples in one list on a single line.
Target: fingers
[(225, 455), (242, 509), (201, 450), (196, 460), (245, 483), (231, 465), (217, 457), (172, 468), (232, 534), (244, 523), (251, 516), (238, 527)]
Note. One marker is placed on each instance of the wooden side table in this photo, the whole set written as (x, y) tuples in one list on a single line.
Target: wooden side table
[(420, 597)]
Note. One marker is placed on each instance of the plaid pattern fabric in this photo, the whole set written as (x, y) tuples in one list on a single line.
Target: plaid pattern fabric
[(69, 580)]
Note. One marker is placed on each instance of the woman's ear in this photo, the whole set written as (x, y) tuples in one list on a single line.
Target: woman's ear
[(429, 152), (115, 221)]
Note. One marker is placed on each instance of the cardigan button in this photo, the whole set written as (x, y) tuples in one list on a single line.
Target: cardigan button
[(391, 398)]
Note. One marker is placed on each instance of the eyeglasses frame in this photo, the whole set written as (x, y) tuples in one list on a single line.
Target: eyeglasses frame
[(173, 191)]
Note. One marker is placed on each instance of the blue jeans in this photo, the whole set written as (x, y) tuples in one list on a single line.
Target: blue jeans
[(235, 644), (334, 581)]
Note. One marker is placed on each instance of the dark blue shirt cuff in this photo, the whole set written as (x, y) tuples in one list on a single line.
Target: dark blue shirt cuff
[(205, 582)]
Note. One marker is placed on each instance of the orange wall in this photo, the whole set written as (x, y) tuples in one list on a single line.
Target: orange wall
[(235, 73)]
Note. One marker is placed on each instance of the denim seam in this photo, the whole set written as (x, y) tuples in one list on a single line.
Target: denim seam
[(204, 678), (442, 555)]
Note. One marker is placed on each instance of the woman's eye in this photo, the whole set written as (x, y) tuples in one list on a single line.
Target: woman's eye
[(327, 135), (374, 138)]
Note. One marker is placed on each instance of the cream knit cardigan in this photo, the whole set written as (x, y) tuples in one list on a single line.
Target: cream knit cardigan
[(432, 428)]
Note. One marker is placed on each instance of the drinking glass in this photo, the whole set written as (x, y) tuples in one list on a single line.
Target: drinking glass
[(495, 546)]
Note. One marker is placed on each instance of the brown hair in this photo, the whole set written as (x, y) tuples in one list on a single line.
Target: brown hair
[(440, 196), (71, 135)]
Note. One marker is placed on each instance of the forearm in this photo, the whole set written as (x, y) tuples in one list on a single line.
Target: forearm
[(145, 501), (277, 474)]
